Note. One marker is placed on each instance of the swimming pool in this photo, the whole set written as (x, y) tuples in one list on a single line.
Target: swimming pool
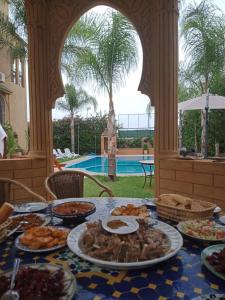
[(124, 164)]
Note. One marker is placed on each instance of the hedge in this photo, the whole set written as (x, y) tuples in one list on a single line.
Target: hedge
[(88, 129)]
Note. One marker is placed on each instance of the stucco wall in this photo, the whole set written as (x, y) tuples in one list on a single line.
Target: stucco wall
[(18, 112), (202, 179), (16, 105)]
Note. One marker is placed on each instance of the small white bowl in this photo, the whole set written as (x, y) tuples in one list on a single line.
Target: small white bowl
[(132, 225)]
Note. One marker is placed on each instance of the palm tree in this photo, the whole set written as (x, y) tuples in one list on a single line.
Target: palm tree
[(73, 102), (203, 29), (107, 54), (10, 39)]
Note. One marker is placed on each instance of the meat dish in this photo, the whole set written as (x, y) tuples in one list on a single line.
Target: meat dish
[(33, 284), (32, 219), (43, 237), (73, 208), (217, 261), (131, 210), (144, 244)]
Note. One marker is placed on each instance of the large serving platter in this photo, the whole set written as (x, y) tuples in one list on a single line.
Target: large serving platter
[(69, 278), (46, 219), (174, 236), (27, 249), (209, 251), (30, 207)]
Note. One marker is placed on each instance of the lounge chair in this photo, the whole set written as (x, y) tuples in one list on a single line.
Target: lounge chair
[(55, 153), (62, 155), (68, 153)]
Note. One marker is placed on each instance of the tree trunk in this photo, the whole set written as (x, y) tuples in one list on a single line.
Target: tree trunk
[(72, 133), (111, 140)]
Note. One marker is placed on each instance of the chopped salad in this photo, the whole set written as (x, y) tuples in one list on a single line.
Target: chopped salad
[(203, 229)]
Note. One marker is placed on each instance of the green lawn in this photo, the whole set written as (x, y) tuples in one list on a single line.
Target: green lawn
[(129, 186)]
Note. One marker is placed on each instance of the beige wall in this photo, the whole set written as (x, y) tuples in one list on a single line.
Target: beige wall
[(202, 179), (18, 112), (16, 105)]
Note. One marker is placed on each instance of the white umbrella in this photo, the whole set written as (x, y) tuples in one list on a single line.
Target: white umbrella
[(199, 103)]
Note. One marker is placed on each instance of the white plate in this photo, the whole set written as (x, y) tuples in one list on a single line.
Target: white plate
[(69, 278), (27, 249), (30, 207), (180, 224), (46, 219), (174, 236), (132, 225), (222, 219)]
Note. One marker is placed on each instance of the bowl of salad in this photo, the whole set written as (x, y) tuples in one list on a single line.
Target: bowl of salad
[(204, 230)]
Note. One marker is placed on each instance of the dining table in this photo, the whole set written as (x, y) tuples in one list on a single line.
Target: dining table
[(181, 277)]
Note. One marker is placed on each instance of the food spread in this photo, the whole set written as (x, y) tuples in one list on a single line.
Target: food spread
[(43, 237), (203, 229), (32, 219), (131, 210), (144, 244), (36, 284), (114, 224), (217, 261), (73, 208)]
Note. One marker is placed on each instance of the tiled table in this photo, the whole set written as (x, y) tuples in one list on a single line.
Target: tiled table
[(181, 277)]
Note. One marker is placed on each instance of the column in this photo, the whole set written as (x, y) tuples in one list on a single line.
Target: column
[(165, 77), (38, 63)]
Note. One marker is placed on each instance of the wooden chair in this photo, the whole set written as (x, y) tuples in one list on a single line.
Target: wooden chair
[(70, 184), (6, 190)]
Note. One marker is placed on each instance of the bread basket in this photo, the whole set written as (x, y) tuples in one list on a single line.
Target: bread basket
[(3, 230), (178, 214)]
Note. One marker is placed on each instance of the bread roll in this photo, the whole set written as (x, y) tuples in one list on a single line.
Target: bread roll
[(5, 211)]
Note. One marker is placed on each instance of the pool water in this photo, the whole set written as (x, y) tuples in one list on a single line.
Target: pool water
[(124, 164)]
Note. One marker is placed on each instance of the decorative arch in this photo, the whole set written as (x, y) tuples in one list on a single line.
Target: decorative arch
[(66, 15)]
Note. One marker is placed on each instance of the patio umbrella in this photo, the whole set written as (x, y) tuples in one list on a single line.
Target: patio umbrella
[(199, 103), (203, 103)]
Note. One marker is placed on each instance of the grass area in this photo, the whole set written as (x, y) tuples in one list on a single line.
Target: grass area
[(129, 186)]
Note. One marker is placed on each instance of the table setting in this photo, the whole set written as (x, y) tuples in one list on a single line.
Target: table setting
[(115, 248)]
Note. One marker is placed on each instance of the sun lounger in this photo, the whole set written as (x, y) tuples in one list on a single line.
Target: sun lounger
[(69, 153)]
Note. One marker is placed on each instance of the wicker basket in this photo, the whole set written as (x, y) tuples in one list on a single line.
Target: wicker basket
[(179, 214), (3, 230)]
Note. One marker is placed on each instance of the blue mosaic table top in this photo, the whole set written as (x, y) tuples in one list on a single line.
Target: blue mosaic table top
[(181, 277)]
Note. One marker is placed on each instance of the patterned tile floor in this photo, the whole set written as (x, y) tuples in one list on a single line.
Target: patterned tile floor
[(181, 277)]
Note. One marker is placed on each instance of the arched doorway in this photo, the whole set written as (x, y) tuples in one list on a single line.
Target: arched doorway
[(156, 24)]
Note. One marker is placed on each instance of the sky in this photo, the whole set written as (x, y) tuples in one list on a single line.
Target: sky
[(128, 100)]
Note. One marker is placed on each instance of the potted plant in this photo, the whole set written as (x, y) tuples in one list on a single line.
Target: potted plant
[(145, 149)]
